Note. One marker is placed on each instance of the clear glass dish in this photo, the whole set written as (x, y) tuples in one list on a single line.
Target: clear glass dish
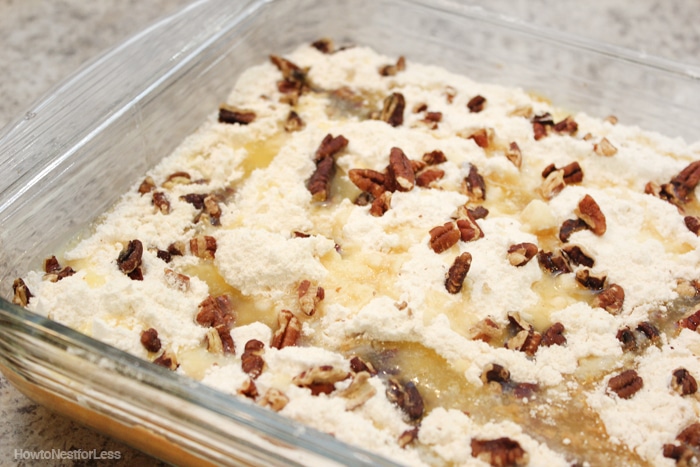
[(76, 151)]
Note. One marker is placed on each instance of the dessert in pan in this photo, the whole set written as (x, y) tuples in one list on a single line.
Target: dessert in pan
[(438, 270)]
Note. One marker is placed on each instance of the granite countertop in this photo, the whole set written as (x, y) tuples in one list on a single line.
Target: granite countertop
[(44, 42)]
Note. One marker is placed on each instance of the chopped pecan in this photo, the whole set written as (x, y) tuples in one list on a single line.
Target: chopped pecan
[(160, 201), (319, 185), (552, 184), (401, 170), (444, 237), (589, 211), (176, 280), (177, 249), (434, 157), (177, 178), (650, 331), (691, 321), (293, 122), (577, 256), (219, 340), (212, 209), (381, 204), (274, 399), (51, 265), (499, 452), (482, 137), (692, 223), (330, 146), (627, 339), (407, 437), (358, 365), (426, 177), (590, 281), (688, 288), (495, 373), (553, 262), (290, 70), (478, 212), (21, 293), (450, 94), (309, 297), (215, 311), (568, 125), (486, 330), (685, 182), (539, 130), (167, 359), (570, 226), (230, 114), (626, 384), (195, 199), (468, 228), (432, 119), (391, 70), (604, 148), (288, 330), (690, 435), (392, 112), (203, 246), (476, 104), (475, 185), (554, 335), (320, 379), (248, 389), (521, 253), (252, 362), (368, 180), (147, 185), (458, 272), (571, 173), (54, 272), (611, 119), (324, 45), (406, 396), (359, 391), (129, 258), (610, 299), (526, 339), (683, 382), (514, 154)]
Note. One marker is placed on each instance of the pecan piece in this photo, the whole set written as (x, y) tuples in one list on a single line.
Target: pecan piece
[(692, 223), (324, 45), (626, 384), (589, 211), (650, 331), (604, 148), (444, 237), (150, 340), (610, 299), (552, 184), (407, 437), (391, 70), (590, 281), (476, 104), (401, 170), (309, 297), (486, 330), (426, 177), (495, 373), (359, 391), (251, 361), (568, 125), (570, 226), (22, 295), (330, 146), (627, 339), (248, 389), (176, 280), (368, 180), (195, 199), (577, 256), (406, 396), (690, 435), (514, 154), (160, 201), (230, 114), (482, 137), (293, 122), (475, 186), (571, 173), (434, 157), (274, 399), (553, 262), (203, 246), (683, 382), (146, 186), (478, 212), (215, 311), (129, 258), (288, 330), (54, 272), (526, 339), (458, 272), (358, 365), (554, 335), (691, 322), (521, 253), (167, 359), (499, 452), (320, 379), (685, 182), (177, 178), (392, 112), (319, 185), (381, 204)]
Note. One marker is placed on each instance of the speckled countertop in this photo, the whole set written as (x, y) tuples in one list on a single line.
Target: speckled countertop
[(44, 42)]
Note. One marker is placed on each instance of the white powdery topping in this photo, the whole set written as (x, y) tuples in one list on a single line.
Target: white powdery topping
[(256, 261), (655, 414)]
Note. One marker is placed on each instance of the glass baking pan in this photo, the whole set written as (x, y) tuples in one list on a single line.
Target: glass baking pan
[(73, 154)]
